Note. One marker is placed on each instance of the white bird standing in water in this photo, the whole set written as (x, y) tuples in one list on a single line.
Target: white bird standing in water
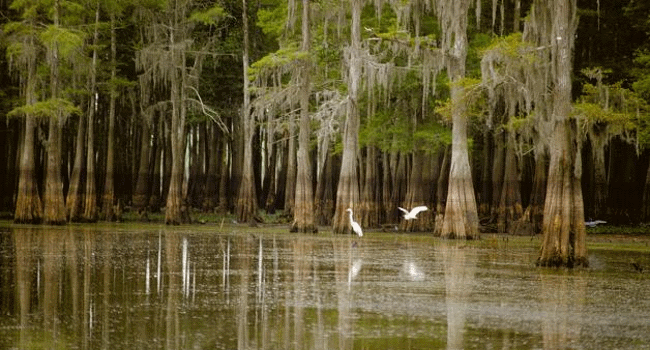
[(413, 213), (355, 226)]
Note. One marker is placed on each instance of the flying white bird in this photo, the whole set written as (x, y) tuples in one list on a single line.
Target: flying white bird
[(413, 213), (355, 225), (594, 223)]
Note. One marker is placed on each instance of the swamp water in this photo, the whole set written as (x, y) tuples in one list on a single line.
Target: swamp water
[(111, 287)]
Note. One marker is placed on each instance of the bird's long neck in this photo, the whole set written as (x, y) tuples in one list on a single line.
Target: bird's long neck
[(351, 220)]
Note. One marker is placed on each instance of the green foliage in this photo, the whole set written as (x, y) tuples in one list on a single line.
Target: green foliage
[(390, 130), (272, 17), (431, 136), (283, 57), (642, 73), (473, 98), (477, 44), (621, 109), (597, 114), (50, 108), (67, 41), (512, 48), (211, 16)]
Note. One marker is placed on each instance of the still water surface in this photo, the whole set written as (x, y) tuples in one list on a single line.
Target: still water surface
[(187, 288)]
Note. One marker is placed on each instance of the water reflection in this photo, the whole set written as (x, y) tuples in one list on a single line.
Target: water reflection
[(459, 269), (561, 300), (171, 288)]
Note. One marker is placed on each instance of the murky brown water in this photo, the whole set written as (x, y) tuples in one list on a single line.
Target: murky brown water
[(183, 288)]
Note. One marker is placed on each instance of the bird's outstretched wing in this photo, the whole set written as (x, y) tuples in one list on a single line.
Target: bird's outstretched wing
[(416, 210), (404, 210)]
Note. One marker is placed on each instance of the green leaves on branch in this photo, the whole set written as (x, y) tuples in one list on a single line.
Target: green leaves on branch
[(67, 41), (281, 61), (391, 131), (50, 108), (272, 17), (211, 16)]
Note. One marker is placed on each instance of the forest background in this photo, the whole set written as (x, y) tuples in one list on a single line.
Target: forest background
[(306, 108)]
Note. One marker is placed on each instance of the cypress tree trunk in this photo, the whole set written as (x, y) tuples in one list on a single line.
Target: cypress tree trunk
[(140, 199), (441, 190), (158, 152), (224, 179), (211, 185), (510, 208), (563, 228), (108, 198), (416, 195), (371, 204), (600, 187), (73, 200), (461, 216), (90, 201), (531, 220), (347, 194), (399, 184), (29, 208), (270, 182), (53, 202), (304, 200), (485, 194), (246, 206), (176, 211), (290, 179), (325, 192), (498, 168), (387, 189)]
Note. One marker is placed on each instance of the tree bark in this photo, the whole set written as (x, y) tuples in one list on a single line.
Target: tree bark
[(347, 194), (73, 200), (417, 194), (290, 179), (54, 212), (29, 208), (487, 165), (176, 211), (498, 168), (246, 206), (510, 208), (211, 185), (563, 228), (461, 216), (90, 199), (108, 198), (531, 220), (140, 198), (325, 192), (371, 204), (304, 200)]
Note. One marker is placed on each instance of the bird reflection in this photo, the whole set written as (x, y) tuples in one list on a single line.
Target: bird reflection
[(413, 272), (354, 270)]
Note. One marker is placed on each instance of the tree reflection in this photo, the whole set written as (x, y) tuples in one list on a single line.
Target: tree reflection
[(459, 266), (343, 257), (562, 297)]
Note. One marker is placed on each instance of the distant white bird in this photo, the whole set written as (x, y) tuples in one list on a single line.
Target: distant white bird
[(594, 223), (355, 225), (413, 213)]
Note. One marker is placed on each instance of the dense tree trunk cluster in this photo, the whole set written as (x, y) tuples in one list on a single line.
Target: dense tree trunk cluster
[(156, 107)]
